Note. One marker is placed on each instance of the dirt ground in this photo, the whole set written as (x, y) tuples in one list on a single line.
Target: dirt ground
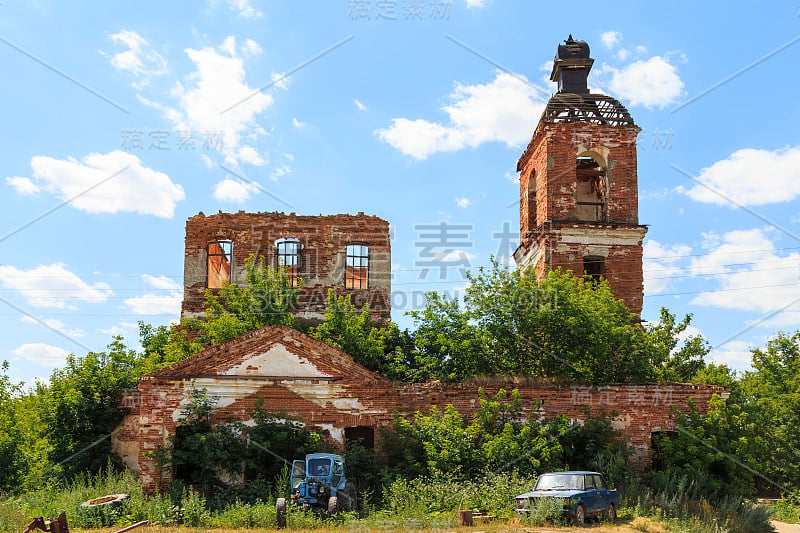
[(780, 527)]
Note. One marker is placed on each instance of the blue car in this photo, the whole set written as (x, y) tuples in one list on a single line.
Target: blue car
[(583, 494)]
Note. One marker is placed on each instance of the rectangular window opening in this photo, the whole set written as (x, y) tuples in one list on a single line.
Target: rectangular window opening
[(218, 267), (288, 259), (594, 268), (356, 273)]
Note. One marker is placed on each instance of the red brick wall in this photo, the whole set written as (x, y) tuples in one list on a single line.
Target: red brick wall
[(324, 240), (550, 161), (352, 396)]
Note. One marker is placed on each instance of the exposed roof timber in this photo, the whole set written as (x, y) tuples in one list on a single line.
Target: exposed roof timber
[(592, 108)]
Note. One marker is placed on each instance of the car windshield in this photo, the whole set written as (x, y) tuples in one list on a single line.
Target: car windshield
[(560, 482), (319, 467)]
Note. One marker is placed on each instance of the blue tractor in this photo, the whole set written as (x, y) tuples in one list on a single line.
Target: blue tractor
[(318, 483)]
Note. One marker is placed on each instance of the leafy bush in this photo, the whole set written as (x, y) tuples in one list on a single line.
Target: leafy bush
[(231, 461), (787, 510), (420, 497), (496, 439)]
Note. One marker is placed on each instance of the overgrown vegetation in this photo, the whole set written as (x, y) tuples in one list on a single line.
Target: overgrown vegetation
[(562, 328)]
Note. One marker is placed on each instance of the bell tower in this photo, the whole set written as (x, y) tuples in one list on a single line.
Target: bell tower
[(578, 184)]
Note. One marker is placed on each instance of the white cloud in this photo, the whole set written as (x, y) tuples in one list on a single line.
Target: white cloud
[(503, 110), (242, 8), (279, 80), (297, 124), (123, 328), (280, 172), (234, 191), (52, 286), (42, 354), (748, 274), (623, 54), (153, 304), (359, 105), (463, 202), (660, 263), (140, 58), (250, 48), (476, 3), (250, 155), (611, 38), (650, 83), (56, 325), (88, 182), (162, 282), (23, 186), (216, 99), (735, 354), (750, 177)]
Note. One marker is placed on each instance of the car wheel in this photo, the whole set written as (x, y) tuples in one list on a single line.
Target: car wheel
[(280, 512), (580, 514), (611, 514)]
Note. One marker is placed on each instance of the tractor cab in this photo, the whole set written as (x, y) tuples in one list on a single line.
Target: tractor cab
[(317, 479), (318, 483)]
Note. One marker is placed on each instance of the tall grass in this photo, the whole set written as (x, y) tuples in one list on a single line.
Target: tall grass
[(684, 502), (415, 504)]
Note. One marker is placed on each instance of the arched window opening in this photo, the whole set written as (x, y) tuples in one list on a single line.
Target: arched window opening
[(532, 200), (219, 257), (590, 189), (287, 258)]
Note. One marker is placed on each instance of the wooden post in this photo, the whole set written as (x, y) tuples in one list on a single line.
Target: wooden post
[(465, 518)]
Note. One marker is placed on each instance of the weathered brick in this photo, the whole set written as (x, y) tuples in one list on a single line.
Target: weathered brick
[(323, 238), (330, 392)]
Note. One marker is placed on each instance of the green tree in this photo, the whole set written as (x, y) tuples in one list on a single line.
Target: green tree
[(267, 298), (202, 453), (378, 347), (274, 438), (671, 362), (496, 439), (562, 326), (772, 388), (80, 407), (719, 450), (13, 463)]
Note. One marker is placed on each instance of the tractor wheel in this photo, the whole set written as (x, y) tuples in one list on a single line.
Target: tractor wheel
[(580, 514), (280, 512), (333, 505)]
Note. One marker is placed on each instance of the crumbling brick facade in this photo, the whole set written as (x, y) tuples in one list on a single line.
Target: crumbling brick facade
[(578, 186), (316, 250), (330, 393)]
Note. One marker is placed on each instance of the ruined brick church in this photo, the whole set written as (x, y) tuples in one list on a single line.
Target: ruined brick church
[(578, 211)]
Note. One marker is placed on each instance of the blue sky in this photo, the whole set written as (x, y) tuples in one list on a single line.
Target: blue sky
[(123, 120)]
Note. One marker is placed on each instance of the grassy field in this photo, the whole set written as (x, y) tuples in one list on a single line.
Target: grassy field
[(421, 505), (640, 524)]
